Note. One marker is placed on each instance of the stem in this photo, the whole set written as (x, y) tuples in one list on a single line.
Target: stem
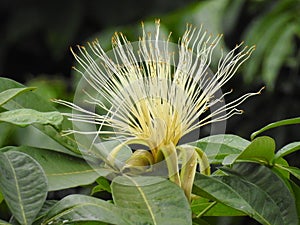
[(113, 154), (203, 161), (170, 155), (188, 170), (139, 162), (206, 209)]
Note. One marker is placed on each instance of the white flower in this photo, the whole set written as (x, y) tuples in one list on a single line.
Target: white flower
[(152, 97), (158, 93)]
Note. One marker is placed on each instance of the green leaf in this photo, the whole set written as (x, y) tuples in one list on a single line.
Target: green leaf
[(205, 207), (217, 147), (2, 222), (23, 184), (200, 221), (260, 150), (296, 192), (103, 185), (292, 121), (263, 32), (292, 170), (288, 149), (80, 208), (151, 200), (247, 188), (262, 176), (277, 163), (273, 26), (6, 133), (34, 137), (68, 171), (32, 101), (7, 95), (220, 190), (277, 54), (68, 143), (25, 117), (1, 197), (26, 100), (48, 204)]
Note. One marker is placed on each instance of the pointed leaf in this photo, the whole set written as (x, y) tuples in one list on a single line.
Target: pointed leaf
[(7, 95), (33, 101), (278, 191), (288, 149), (261, 177), (215, 188), (151, 200), (25, 117), (248, 189), (292, 170), (217, 147), (80, 208), (276, 124), (68, 171), (261, 150), (23, 184), (277, 163), (26, 100)]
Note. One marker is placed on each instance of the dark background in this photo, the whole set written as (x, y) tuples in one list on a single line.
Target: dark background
[(36, 37)]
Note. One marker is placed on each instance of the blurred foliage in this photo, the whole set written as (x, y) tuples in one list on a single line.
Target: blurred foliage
[(36, 35), (41, 41), (275, 31)]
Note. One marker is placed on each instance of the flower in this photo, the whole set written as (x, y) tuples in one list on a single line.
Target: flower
[(156, 90)]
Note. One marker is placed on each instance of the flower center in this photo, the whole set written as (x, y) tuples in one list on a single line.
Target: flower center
[(157, 122)]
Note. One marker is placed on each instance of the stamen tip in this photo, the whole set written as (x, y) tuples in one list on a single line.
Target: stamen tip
[(259, 92)]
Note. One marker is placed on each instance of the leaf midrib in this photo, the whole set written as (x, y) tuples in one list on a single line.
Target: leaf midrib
[(256, 212), (18, 191), (145, 200)]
